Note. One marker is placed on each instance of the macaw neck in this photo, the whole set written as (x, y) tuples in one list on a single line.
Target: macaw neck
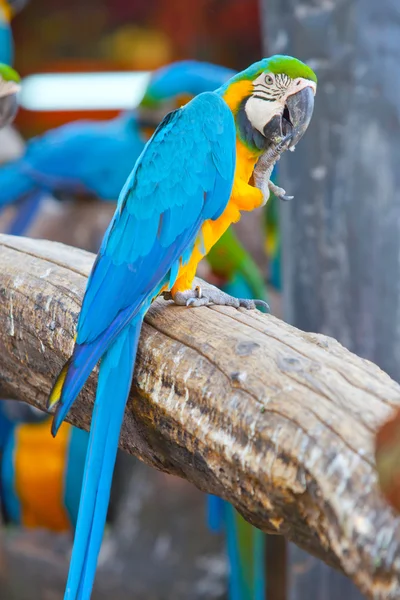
[(249, 136), (235, 95)]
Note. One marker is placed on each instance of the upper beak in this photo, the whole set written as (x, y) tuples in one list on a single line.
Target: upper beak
[(8, 109), (300, 107)]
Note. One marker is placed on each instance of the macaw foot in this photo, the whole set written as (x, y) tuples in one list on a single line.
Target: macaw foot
[(264, 167), (212, 295), (278, 191)]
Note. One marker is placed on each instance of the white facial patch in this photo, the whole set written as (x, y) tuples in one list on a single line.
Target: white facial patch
[(7, 88), (266, 99), (260, 112)]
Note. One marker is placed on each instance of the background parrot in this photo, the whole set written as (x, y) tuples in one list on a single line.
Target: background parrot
[(183, 78), (94, 158), (273, 241), (9, 79), (40, 481), (9, 87), (235, 270), (188, 185)]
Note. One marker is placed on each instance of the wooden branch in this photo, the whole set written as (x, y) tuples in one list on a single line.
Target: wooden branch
[(279, 422)]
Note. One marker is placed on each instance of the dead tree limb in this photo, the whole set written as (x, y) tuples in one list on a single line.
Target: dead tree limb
[(279, 422)]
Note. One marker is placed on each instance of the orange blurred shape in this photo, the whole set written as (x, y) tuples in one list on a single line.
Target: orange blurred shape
[(387, 456)]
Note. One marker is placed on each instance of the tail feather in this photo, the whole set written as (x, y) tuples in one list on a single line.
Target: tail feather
[(115, 376), (77, 369)]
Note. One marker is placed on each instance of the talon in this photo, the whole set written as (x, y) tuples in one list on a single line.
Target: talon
[(198, 291), (167, 295), (253, 304), (195, 302), (279, 192)]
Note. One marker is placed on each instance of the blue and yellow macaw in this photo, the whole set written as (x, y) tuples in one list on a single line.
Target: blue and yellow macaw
[(40, 481), (187, 187)]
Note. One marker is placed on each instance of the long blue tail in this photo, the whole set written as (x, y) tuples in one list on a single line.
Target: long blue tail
[(115, 376)]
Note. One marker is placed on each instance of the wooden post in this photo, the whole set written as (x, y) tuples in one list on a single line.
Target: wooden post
[(341, 234)]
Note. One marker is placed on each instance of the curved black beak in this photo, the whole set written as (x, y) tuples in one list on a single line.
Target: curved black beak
[(8, 109), (300, 108)]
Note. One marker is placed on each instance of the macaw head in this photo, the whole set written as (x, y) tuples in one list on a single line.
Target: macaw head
[(271, 99), (9, 87)]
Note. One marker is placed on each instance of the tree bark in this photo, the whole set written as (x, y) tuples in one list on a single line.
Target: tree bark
[(279, 422)]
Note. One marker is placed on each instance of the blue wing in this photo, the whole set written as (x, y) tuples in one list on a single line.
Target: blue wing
[(81, 157), (183, 177)]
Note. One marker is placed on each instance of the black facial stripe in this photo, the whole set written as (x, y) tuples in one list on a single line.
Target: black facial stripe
[(262, 98), (271, 94)]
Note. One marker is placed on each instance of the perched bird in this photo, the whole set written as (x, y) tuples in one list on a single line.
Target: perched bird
[(188, 185)]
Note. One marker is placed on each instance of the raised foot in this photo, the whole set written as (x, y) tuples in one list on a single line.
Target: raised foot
[(278, 191), (205, 297)]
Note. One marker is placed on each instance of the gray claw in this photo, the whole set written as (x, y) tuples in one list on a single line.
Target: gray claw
[(252, 304), (279, 192)]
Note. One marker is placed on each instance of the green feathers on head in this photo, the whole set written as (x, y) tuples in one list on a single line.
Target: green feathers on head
[(292, 67), (7, 73)]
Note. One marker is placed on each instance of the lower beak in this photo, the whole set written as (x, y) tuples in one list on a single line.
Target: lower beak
[(300, 107), (8, 109)]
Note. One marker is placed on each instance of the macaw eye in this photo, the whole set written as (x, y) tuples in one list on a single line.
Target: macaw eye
[(269, 80)]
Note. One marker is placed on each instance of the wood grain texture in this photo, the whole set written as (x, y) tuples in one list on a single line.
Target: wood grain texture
[(277, 421)]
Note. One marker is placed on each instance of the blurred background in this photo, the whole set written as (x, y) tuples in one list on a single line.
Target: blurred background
[(338, 272)]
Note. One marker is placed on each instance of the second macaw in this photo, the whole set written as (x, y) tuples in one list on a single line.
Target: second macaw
[(9, 88), (9, 79), (187, 187), (94, 158)]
